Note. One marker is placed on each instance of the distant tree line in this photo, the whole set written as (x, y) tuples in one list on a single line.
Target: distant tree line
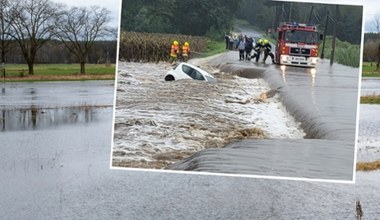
[(54, 51), (268, 14), (192, 17), (371, 50), (38, 29)]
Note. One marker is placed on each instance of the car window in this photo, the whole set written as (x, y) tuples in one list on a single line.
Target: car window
[(210, 79), (188, 70), (197, 75)]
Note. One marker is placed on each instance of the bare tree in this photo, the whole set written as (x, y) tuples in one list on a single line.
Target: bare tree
[(79, 27), (34, 24), (5, 32), (376, 23)]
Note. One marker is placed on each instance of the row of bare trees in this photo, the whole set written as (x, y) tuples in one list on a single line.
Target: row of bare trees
[(33, 23)]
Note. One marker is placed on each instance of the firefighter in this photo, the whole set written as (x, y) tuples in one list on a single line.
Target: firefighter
[(174, 52), (258, 48), (185, 51), (268, 51)]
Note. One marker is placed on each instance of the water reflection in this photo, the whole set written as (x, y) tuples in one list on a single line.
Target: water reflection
[(40, 118), (286, 70)]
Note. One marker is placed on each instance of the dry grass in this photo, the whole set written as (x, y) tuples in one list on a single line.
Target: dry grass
[(368, 166), (371, 99)]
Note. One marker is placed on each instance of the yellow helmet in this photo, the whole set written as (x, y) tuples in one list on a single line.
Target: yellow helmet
[(266, 41), (186, 44), (260, 41), (175, 42)]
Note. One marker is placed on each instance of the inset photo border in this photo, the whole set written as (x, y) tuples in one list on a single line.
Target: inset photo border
[(254, 90)]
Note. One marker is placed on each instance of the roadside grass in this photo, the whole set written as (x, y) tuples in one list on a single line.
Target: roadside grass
[(369, 70), (368, 166), (370, 99), (345, 53), (214, 47), (54, 72)]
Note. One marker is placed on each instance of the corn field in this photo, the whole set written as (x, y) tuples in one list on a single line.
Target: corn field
[(345, 53), (155, 47)]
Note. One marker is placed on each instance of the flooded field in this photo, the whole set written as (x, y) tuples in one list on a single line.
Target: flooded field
[(370, 86), (43, 124), (369, 126), (75, 182)]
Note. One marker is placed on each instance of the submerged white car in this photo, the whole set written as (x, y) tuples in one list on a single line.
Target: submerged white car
[(188, 71)]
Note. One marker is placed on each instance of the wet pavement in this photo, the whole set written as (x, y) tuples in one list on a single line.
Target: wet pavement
[(324, 102)]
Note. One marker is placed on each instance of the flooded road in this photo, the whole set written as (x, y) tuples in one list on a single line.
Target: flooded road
[(324, 102)]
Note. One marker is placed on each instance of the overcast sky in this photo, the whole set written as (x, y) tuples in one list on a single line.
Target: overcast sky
[(112, 5)]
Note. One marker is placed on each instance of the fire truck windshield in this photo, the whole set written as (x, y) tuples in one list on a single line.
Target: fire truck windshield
[(297, 36)]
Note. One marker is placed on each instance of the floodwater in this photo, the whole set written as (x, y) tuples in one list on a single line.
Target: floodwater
[(370, 86), (369, 126), (324, 102), (173, 120), (75, 182)]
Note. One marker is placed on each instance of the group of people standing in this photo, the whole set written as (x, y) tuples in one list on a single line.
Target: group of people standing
[(178, 53), (245, 45)]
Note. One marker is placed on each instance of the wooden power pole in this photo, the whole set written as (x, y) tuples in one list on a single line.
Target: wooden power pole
[(334, 35)]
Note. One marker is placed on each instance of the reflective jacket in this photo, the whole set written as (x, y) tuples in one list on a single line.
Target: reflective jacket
[(174, 50), (185, 50)]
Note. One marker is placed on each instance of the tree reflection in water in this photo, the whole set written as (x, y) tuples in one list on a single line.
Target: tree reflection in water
[(40, 118)]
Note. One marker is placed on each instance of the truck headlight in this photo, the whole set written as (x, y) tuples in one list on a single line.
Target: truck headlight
[(314, 61), (284, 58)]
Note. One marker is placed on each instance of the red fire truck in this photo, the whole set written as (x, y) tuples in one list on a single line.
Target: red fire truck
[(297, 44)]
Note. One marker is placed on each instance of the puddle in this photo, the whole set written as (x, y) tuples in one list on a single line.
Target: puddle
[(45, 118)]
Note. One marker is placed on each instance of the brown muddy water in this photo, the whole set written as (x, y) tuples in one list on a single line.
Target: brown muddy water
[(158, 122)]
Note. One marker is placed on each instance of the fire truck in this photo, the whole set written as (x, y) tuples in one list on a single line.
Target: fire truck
[(297, 44)]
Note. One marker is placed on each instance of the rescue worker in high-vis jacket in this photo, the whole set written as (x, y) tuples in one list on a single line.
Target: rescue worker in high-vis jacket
[(174, 52), (185, 51), (258, 48), (268, 51)]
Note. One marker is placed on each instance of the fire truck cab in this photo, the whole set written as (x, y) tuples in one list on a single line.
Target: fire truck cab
[(297, 44)]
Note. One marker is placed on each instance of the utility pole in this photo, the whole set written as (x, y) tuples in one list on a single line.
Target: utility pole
[(324, 36), (334, 36), (311, 12), (2, 17), (290, 11), (282, 12)]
